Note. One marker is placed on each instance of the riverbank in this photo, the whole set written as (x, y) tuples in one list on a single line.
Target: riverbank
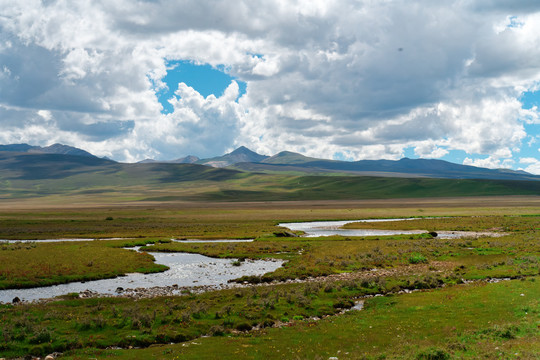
[(488, 321), (322, 276)]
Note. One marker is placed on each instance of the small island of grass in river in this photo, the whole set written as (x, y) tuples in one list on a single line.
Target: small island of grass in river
[(452, 312)]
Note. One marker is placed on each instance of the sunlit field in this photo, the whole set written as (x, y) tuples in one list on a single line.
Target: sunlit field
[(471, 297)]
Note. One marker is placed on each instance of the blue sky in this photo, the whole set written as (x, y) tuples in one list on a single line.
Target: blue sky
[(530, 147), (348, 79), (205, 79)]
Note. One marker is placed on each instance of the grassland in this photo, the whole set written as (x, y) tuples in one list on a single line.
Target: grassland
[(495, 321), (445, 319), (64, 179), (93, 217), (33, 264)]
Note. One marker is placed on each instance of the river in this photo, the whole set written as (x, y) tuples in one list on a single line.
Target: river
[(184, 270), (198, 270)]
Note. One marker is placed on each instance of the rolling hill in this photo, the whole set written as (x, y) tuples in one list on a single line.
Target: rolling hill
[(427, 168), (52, 149), (67, 178), (190, 159)]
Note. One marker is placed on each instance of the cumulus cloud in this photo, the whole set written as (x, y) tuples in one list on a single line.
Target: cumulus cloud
[(489, 162), (429, 150), (197, 125), (365, 79), (532, 165)]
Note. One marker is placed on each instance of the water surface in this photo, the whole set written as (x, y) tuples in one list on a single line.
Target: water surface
[(185, 270), (330, 228)]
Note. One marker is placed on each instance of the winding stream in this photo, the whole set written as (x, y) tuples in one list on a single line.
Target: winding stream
[(185, 270), (329, 228), (197, 270)]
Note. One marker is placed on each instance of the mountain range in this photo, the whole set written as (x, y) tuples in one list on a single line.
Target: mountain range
[(69, 175), (287, 162), (244, 159), (52, 149)]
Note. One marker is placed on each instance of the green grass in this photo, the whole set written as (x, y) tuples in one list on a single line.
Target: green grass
[(461, 322), (40, 264), (509, 256), (74, 323), (238, 220), (280, 187), (416, 258), (51, 176), (512, 255), (494, 223)]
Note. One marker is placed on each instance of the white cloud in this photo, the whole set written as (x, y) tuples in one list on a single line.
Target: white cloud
[(45, 114), (489, 162), (528, 160), (533, 165), (361, 78), (197, 125), (429, 150)]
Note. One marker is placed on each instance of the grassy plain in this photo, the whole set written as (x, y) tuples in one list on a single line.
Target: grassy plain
[(53, 177), (457, 321), (34, 264), (495, 321)]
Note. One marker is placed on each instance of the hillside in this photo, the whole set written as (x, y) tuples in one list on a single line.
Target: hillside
[(290, 163), (240, 155), (190, 159), (288, 158), (52, 149), (428, 168), (30, 175), (65, 177)]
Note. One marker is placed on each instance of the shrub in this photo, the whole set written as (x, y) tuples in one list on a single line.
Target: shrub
[(268, 323), (329, 287), (41, 337), (509, 332), (417, 258), (343, 304), (433, 354), (243, 327), (217, 330), (39, 350)]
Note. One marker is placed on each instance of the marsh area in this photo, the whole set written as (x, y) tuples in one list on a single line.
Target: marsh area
[(434, 289)]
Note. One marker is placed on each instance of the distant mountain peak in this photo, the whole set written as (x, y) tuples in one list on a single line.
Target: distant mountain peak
[(64, 149), (288, 157), (240, 155), (190, 159), (51, 149), (243, 150), (240, 149)]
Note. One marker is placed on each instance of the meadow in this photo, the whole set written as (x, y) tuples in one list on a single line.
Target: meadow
[(438, 301)]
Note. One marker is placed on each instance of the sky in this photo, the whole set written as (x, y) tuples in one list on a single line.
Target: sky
[(457, 80)]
